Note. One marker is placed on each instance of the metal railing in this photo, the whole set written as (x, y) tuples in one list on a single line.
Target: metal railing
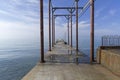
[(111, 40)]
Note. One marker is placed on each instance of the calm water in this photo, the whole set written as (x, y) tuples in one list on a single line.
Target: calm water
[(18, 58)]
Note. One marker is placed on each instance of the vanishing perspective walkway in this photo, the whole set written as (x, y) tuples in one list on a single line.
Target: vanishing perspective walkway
[(61, 64)]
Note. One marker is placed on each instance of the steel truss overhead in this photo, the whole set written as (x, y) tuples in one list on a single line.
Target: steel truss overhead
[(77, 14)]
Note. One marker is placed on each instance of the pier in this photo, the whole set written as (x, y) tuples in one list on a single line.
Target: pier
[(62, 65), (63, 61)]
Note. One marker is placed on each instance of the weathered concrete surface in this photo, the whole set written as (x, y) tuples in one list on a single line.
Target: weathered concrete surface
[(62, 53), (70, 71), (61, 65), (110, 58)]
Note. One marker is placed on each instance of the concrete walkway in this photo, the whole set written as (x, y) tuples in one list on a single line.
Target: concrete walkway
[(61, 65)]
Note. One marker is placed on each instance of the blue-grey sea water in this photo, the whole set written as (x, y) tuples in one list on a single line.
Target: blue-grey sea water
[(17, 58)]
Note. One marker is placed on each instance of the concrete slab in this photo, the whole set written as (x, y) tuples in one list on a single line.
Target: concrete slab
[(70, 71), (61, 65)]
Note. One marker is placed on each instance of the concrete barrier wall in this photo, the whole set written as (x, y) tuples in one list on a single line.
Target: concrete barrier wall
[(109, 59)]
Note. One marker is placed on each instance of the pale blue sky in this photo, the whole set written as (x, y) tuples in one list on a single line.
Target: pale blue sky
[(19, 19)]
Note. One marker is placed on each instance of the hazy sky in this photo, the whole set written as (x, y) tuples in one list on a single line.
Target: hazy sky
[(19, 19)]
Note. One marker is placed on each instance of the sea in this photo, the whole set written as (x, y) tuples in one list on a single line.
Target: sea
[(17, 58)]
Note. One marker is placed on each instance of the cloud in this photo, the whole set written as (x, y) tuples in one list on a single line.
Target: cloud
[(98, 12), (82, 24), (26, 11), (18, 30), (112, 12), (33, 1), (104, 17)]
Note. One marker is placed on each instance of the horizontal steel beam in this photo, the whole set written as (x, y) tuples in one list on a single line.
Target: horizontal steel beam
[(66, 8), (63, 15)]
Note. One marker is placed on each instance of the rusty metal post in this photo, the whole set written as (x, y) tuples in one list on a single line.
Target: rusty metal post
[(42, 31), (71, 10), (53, 10), (102, 40), (68, 29), (76, 25), (92, 31), (71, 26), (49, 25), (54, 29)]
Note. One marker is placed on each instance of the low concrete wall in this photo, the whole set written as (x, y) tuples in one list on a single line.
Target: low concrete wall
[(110, 58)]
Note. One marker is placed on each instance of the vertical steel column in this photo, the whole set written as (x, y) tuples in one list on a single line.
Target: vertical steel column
[(76, 25), (52, 29), (49, 25), (68, 30), (42, 31), (71, 26), (102, 41), (92, 31), (71, 11)]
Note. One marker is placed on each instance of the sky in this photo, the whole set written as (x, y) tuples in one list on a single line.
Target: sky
[(20, 20)]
